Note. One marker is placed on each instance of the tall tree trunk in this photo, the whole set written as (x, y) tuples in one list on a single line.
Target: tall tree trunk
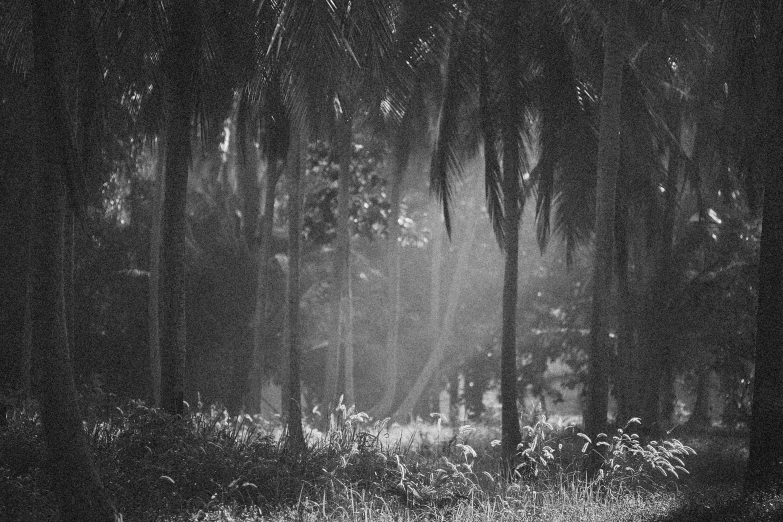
[(511, 434), (256, 377), (452, 305), (626, 388), (434, 322), (179, 69), (296, 164), (153, 304), (76, 482), (608, 164), (350, 397), (26, 379), (69, 276), (765, 461), (343, 150), (655, 374), (250, 198), (394, 299)]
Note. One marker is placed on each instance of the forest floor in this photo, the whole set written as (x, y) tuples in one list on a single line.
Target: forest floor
[(213, 468)]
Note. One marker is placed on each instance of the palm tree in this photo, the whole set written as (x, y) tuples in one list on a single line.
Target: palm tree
[(77, 484), (512, 88)]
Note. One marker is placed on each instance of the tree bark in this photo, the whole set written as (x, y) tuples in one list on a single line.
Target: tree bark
[(511, 434), (438, 352), (295, 437), (765, 461), (153, 304), (179, 70), (350, 397), (626, 388), (393, 255), (656, 400), (343, 151), (69, 277), (77, 485), (26, 379), (608, 163)]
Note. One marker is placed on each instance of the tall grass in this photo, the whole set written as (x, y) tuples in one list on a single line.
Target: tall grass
[(210, 466)]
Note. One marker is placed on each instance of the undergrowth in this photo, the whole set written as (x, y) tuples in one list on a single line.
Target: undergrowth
[(210, 466)]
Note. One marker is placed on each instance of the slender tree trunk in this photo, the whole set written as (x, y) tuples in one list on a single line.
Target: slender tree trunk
[(511, 434), (343, 149), (766, 444), (701, 407), (655, 374), (179, 69), (765, 461), (246, 165), (256, 377), (608, 164), (76, 482), (393, 255), (27, 339), (153, 305), (439, 350), (296, 164), (626, 387), (350, 393), (434, 325), (69, 273)]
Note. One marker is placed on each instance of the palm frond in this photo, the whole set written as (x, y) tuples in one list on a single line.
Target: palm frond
[(492, 174), (557, 92), (16, 45), (448, 154)]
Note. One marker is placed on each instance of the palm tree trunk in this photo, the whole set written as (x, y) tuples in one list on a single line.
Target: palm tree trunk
[(511, 434), (343, 149), (153, 304), (350, 397), (655, 372), (434, 323), (297, 157), (608, 164), (626, 389), (393, 255), (76, 482), (765, 470), (69, 273), (256, 377), (180, 67), (27, 339), (766, 444), (439, 350)]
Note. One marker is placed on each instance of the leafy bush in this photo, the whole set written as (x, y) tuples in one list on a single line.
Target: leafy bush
[(624, 463)]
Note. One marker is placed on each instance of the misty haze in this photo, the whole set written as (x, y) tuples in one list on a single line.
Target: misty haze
[(391, 260)]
